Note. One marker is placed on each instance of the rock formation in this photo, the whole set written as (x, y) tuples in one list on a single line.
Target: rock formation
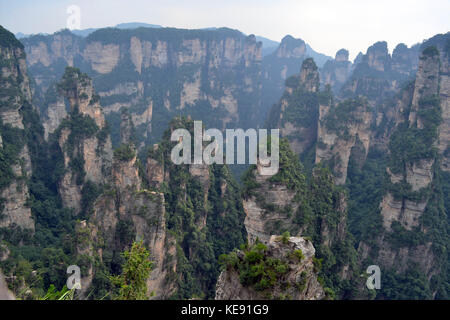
[(285, 202), (160, 72), (128, 212), (296, 278), (15, 97), (82, 137), (377, 75), (336, 72), (404, 206)]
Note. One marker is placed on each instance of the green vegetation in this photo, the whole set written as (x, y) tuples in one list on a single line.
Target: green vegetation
[(303, 107), (410, 144), (206, 218), (199, 244), (410, 285), (80, 127), (256, 268), (7, 39), (64, 294), (125, 152), (285, 237), (71, 80), (430, 51), (320, 214), (299, 255), (290, 171), (344, 114), (13, 141)]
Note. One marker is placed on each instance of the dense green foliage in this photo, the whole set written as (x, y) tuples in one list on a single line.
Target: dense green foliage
[(51, 248), (13, 140), (71, 80), (411, 143), (366, 189)]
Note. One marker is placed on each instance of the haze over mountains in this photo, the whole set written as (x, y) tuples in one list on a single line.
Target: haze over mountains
[(85, 147)]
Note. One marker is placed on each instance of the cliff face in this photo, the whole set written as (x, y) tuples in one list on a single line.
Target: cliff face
[(262, 221), (162, 72), (203, 213), (128, 212), (297, 280), (405, 60), (371, 131), (297, 112), (341, 130), (55, 113), (279, 66), (286, 202), (336, 72), (82, 137), (319, 127), (418, 174), (444, 95), (15, 95), (404, 210)]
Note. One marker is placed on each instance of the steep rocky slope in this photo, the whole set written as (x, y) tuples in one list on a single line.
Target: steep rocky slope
[(375, 173), (296, 114), (412, 213), (378, 75), (279, 66), (319, 128), (336, 72)]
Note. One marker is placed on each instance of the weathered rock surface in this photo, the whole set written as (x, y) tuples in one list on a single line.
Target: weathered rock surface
[(336, 72), (299, 283), (196, 64), (94, 151), (336, 147), (260, 221), (144, 211)]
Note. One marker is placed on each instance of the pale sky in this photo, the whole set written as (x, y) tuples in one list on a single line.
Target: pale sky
[(325, 25)]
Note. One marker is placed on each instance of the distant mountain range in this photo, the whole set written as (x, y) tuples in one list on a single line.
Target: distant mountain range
[(86, 32), (269, 45)]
